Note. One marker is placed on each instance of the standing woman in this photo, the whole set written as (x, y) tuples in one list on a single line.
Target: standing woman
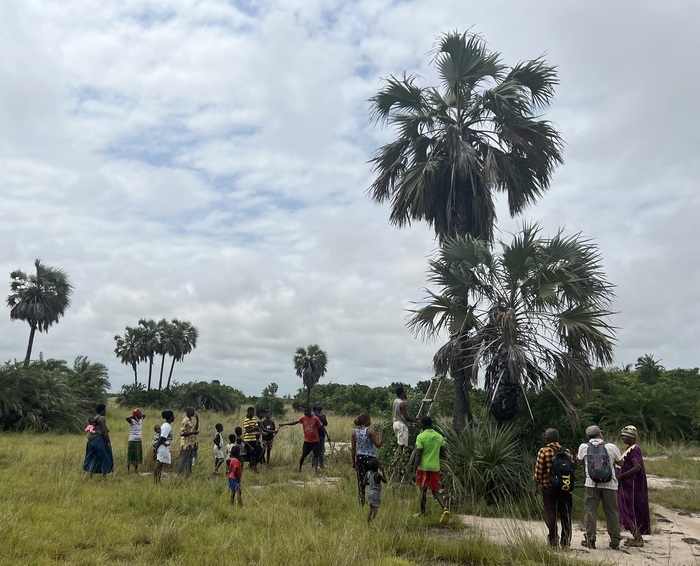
[(134, 448), (363, 443), (98, 452), (632, 493), (163, 446)]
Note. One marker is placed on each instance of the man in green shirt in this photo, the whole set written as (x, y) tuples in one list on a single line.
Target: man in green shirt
[(430, 447)]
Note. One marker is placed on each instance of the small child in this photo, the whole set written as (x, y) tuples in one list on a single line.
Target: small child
[(218, 448), (235, 474), (241, 443), (154, 442), (374, 478), (229, 446)]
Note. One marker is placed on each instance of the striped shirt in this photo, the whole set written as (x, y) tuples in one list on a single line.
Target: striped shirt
[(250, 429)]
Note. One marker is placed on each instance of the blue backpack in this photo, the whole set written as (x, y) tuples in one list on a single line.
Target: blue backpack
[(598, 463)]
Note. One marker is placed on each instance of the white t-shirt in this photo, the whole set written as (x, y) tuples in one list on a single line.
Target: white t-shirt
[(135, 430), (613, 454), (163, 453)]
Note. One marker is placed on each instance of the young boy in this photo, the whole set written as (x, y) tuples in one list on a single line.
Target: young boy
[(229, 446), (218, 448), (374, 478), (241, 444), (235, 474), (268, 436), (310, 424)]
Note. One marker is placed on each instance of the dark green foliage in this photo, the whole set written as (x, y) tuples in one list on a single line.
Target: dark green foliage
[(198, 394), (48, 395), (348, 400)]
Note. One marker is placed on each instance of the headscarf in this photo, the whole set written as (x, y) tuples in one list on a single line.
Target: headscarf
[(630, 431), (362, 419)]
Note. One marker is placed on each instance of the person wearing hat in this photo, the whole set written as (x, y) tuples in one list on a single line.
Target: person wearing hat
[(601, 491), (134, 448), (633, 493)]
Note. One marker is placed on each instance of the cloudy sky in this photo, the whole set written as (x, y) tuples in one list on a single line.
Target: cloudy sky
[(207, 160)]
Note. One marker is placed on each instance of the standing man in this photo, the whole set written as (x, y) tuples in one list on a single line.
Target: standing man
[(311, 426), (557, 500), (251, 433), (134, 448), (430, 447), (598, 458), (401, 418), (322, 436), (188, 441)]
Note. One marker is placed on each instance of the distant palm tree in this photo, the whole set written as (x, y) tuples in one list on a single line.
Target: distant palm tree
[(183, 340), (167, 345), (39, 299), (310, 364), (457, 144), (148, 342), (536, 311), (127, 350)]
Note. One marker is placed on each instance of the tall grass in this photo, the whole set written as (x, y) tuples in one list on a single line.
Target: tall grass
[(53, 513)]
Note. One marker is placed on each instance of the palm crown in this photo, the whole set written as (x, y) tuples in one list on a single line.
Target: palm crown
[(456, 144), (536, 311)]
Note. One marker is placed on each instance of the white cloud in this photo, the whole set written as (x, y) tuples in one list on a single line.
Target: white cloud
[(208, 162)]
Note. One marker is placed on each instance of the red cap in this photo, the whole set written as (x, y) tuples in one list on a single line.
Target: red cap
[(135, 412)]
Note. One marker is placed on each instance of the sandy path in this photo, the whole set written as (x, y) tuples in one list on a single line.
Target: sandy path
[(677, 542)]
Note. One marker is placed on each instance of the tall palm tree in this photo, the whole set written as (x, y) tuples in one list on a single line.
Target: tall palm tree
[(166, 345), (127, 350), (479, 132), (534, 313), (148, 342), (310, 364), (183, 339), (40, 299)]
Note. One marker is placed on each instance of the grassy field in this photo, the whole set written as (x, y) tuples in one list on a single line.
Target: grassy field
[(52, 513)]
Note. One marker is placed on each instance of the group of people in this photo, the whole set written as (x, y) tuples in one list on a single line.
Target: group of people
[(614, 479)]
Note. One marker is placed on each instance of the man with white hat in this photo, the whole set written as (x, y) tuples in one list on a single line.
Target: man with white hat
[(598, 458)]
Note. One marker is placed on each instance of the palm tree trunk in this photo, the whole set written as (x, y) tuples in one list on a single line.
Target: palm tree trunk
[(150, 371), (30, 344), (160, 381), (308, 396), (462, 409), (172, 366), (136, 375)]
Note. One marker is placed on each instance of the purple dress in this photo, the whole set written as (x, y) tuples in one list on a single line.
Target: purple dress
[(633, 495)]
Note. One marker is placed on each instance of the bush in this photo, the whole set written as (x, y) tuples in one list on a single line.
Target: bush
[(210, 396), (48, 395)]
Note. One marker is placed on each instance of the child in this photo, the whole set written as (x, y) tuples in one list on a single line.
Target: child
[(374, 478), (90, 428), (229, 446), (268, 436), (234, 476), (156, 438), (241, 444), (218, 448)]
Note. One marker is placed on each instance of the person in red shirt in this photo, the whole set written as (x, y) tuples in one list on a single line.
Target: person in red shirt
[(311, 424), (235, 473)]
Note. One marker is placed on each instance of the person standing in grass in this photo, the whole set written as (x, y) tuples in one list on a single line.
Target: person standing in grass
[(163, 445), (363, 445), (400, 419), (98, 452), (218, 448), (311, 425), (557, 501), (268, 436), (322, 436), (633, 493), (235, 473), (251, 433), (430, 447), (134, 447), (188, 441), (374, 479)]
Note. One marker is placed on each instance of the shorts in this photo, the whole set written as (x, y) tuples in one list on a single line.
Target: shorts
[(401, 432), (134, 452), (234, 484), (218, 454), (163, 454), (429, 479), (374, 498)]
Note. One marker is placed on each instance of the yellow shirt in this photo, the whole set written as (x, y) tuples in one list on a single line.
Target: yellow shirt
[(187, 442)]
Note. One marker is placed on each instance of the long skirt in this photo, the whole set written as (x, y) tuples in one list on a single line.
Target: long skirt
[(98, 458)]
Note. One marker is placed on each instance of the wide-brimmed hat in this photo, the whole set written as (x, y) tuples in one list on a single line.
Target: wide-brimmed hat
[(630, 431)]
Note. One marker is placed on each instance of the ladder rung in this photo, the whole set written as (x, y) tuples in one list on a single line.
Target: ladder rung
[(427, 400)]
